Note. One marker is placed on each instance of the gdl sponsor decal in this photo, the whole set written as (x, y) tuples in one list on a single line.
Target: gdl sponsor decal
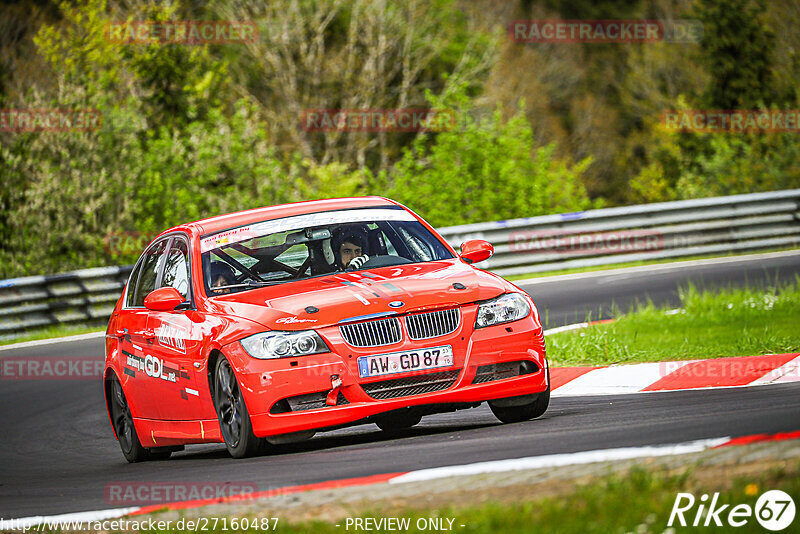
[(153, 367), (774, 510)]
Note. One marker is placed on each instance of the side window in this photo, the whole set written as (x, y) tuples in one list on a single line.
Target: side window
[(146, 281), (132, 285), (176, 268)]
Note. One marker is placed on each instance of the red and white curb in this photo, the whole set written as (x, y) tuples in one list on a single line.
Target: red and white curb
[(669, 376), (674, 376), (422, 475)]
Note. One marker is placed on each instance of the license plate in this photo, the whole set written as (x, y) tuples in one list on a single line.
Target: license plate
[(405, 361)]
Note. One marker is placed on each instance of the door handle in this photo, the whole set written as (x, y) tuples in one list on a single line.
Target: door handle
[(121, 333), (149, 335)]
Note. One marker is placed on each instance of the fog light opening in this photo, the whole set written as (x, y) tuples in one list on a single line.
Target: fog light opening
[(527, 367)]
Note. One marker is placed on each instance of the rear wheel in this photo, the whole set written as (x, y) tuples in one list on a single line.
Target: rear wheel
[(399, 420), (234, 420), (122, 420), (507, 412)]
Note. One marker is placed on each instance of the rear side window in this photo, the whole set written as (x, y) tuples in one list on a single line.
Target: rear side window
[(176, 268), (145, 281), (132, 285)]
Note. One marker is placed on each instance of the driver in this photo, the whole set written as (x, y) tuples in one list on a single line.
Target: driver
[(349, 248), (221, 275)]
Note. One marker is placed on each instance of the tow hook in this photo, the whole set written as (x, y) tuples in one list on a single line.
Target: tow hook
[(336, 383)]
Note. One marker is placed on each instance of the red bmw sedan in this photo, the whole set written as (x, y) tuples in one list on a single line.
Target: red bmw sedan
[(271, 324)]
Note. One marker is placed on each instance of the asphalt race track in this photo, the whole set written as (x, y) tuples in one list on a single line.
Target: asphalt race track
[(58, 453)]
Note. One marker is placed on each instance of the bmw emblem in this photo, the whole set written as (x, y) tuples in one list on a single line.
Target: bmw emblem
[(396, 304)]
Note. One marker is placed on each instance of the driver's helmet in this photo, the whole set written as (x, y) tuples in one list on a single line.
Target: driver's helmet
[(223, 270), (350, 233)]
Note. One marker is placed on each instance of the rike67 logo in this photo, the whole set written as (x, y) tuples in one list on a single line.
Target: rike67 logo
[(774, 510)]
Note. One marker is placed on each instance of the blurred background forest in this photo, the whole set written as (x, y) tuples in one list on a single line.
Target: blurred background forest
[(194, 131)]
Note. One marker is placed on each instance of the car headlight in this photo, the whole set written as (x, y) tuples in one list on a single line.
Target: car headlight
[(503, 309), (280, 344)]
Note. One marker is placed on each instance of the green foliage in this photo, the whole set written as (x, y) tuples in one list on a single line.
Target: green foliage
[(737, 45), (358, 54), (194, 131), (485, 170), (219, 165), (741, 163), (333, 180), (729, 164)]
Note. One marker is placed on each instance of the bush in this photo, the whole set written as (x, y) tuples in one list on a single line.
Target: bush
[(485, 170)]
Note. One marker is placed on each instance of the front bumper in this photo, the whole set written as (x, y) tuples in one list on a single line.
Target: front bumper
[(265, 383)]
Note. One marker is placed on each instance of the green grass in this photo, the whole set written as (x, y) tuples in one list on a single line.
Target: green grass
[(54, 331), (636, 264), (732, 322), (637, 502)]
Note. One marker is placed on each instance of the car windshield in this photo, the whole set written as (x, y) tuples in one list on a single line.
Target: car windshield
[(282, 250)]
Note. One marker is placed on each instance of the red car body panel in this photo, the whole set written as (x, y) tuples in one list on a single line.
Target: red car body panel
[(162, 357)]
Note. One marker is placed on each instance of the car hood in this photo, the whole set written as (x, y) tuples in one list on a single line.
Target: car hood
[(359, 295)]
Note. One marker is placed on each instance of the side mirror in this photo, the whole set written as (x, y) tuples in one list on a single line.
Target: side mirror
[(476, 250), (163, 299)]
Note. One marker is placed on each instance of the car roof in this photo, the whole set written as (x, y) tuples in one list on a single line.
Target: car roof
[(219, 223)]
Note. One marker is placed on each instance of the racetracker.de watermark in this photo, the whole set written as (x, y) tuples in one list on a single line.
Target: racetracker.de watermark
[(724, 371), (52, 368), (49, 120), (732, 121), (185, 32), (605, 31), (566, 242), (126, 243), (68, 523), (143, 493), (377, 120)]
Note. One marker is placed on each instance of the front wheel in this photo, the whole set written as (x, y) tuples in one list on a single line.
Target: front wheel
[(506, 412), (234, 420)]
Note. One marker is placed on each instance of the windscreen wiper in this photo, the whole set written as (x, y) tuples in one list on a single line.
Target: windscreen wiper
[(249, 284)]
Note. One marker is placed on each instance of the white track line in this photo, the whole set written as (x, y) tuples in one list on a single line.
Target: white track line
[(558, 460), (566, 328), (65, 339), (544, 279)]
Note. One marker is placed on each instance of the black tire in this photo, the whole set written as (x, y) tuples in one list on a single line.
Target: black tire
[(525, 412), (122, 420), (400, 420), (234, 420)]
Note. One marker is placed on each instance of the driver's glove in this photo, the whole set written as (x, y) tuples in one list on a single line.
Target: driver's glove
[(357, 262)]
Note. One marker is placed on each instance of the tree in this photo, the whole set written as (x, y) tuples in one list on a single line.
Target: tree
[(355, 55), (738, 48), (485, 170)]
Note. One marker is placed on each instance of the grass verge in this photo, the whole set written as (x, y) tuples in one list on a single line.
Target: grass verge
[(53, 332), (731, 322)]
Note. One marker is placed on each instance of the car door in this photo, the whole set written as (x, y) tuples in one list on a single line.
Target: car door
[(178, 340), (135, 337)]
